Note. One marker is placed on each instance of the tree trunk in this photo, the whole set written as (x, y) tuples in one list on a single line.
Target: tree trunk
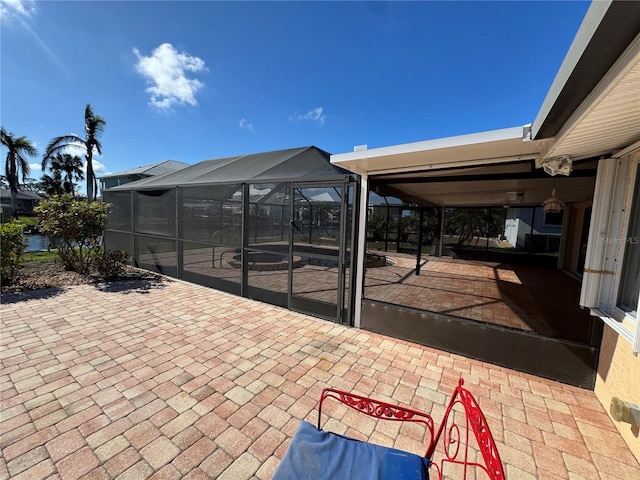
[(14, 203), (90, 179)]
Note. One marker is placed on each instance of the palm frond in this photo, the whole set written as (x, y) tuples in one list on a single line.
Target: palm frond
[(24, 166), (16, 164), (98, 146), (60, 143), (23, 144)]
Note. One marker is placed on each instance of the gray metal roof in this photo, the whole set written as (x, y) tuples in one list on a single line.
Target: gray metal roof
[(280, 165), (22, 194), (154, 169)]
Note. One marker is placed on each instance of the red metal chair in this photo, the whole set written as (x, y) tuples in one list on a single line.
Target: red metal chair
[(447, 449)]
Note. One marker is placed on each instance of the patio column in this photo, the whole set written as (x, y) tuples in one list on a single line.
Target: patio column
[(419, 252), (362, 249), (441, 233)]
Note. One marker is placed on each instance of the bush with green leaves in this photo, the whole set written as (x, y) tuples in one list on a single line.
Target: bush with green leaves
[(12, 246), (75, 227), (111, 264)]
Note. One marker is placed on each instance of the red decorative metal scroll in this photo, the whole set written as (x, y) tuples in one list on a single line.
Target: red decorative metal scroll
[(378, 409), (475, 422), (455, 438)]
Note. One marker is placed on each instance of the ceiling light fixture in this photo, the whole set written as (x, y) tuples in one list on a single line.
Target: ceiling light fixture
[(552, 204), (558, 166)]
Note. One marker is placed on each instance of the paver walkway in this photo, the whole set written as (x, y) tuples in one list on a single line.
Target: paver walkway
[(173, 380)]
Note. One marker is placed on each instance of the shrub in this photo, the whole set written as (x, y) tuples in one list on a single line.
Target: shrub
[(12, 246), (75, 227), (110, 265)]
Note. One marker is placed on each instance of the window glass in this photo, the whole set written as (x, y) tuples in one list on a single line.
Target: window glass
[(630, 277), (553, 218)]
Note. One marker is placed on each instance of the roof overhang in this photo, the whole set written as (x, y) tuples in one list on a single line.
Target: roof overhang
[(593, 106), (493, 147)]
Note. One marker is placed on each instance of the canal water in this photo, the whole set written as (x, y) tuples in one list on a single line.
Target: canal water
[(36, 242)]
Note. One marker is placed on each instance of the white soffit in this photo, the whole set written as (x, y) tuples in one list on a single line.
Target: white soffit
[(496, 146), (590, 23), (609, 118)]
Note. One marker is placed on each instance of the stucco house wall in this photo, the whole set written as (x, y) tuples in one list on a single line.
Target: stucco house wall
[(619, 376)]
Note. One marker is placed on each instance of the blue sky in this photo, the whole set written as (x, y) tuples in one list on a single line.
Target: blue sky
[(197, 80)]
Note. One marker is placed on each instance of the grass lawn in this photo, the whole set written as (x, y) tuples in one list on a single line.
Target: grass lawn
[(40, 256)]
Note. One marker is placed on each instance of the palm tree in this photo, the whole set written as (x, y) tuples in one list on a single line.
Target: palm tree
[(93, 127), (16, 162), (71, 166), (52, 184)]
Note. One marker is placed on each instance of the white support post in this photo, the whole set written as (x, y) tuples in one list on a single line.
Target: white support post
[(362, 245)]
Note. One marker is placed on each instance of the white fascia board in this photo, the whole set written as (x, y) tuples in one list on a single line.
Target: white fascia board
[(590, 23), (505, 145), (436, 144)]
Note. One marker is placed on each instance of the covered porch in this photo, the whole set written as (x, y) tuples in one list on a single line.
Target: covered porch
[(474, 264)]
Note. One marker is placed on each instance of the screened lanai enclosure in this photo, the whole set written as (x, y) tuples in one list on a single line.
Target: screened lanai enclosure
[(476, 266), (458, 259), (275, 227)]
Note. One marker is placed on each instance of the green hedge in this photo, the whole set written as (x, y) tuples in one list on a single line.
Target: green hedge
[(12, 246)]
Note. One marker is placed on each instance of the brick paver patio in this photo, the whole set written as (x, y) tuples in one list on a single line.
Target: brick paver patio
[(173, 380)]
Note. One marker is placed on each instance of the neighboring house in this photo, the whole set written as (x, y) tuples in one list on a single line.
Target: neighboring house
[(133, 174), (533, 230), (589, 128), (26, 201)]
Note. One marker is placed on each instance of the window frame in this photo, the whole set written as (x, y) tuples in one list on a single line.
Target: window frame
[(627, 320), (613, 195)]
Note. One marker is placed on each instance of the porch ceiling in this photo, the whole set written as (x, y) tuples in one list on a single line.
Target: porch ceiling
[(516, 184)]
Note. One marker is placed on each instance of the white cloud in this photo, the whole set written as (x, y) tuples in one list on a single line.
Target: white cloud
[(35, 166), (315, 114), (75, 149), (16, 8), (98, 168), (244, 124), (166, 70)]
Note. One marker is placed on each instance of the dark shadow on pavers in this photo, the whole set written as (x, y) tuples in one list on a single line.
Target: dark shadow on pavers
[(142, 285), (40, 294)]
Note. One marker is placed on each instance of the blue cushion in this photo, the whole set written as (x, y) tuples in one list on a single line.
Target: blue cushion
[(318, 455)]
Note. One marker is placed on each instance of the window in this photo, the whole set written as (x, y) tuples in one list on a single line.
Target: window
[(629, 287), (611, 279), (553, 219)]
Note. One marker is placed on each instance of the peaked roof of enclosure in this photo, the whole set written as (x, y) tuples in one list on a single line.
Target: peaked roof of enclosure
[(158, 168), (301, 164)]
